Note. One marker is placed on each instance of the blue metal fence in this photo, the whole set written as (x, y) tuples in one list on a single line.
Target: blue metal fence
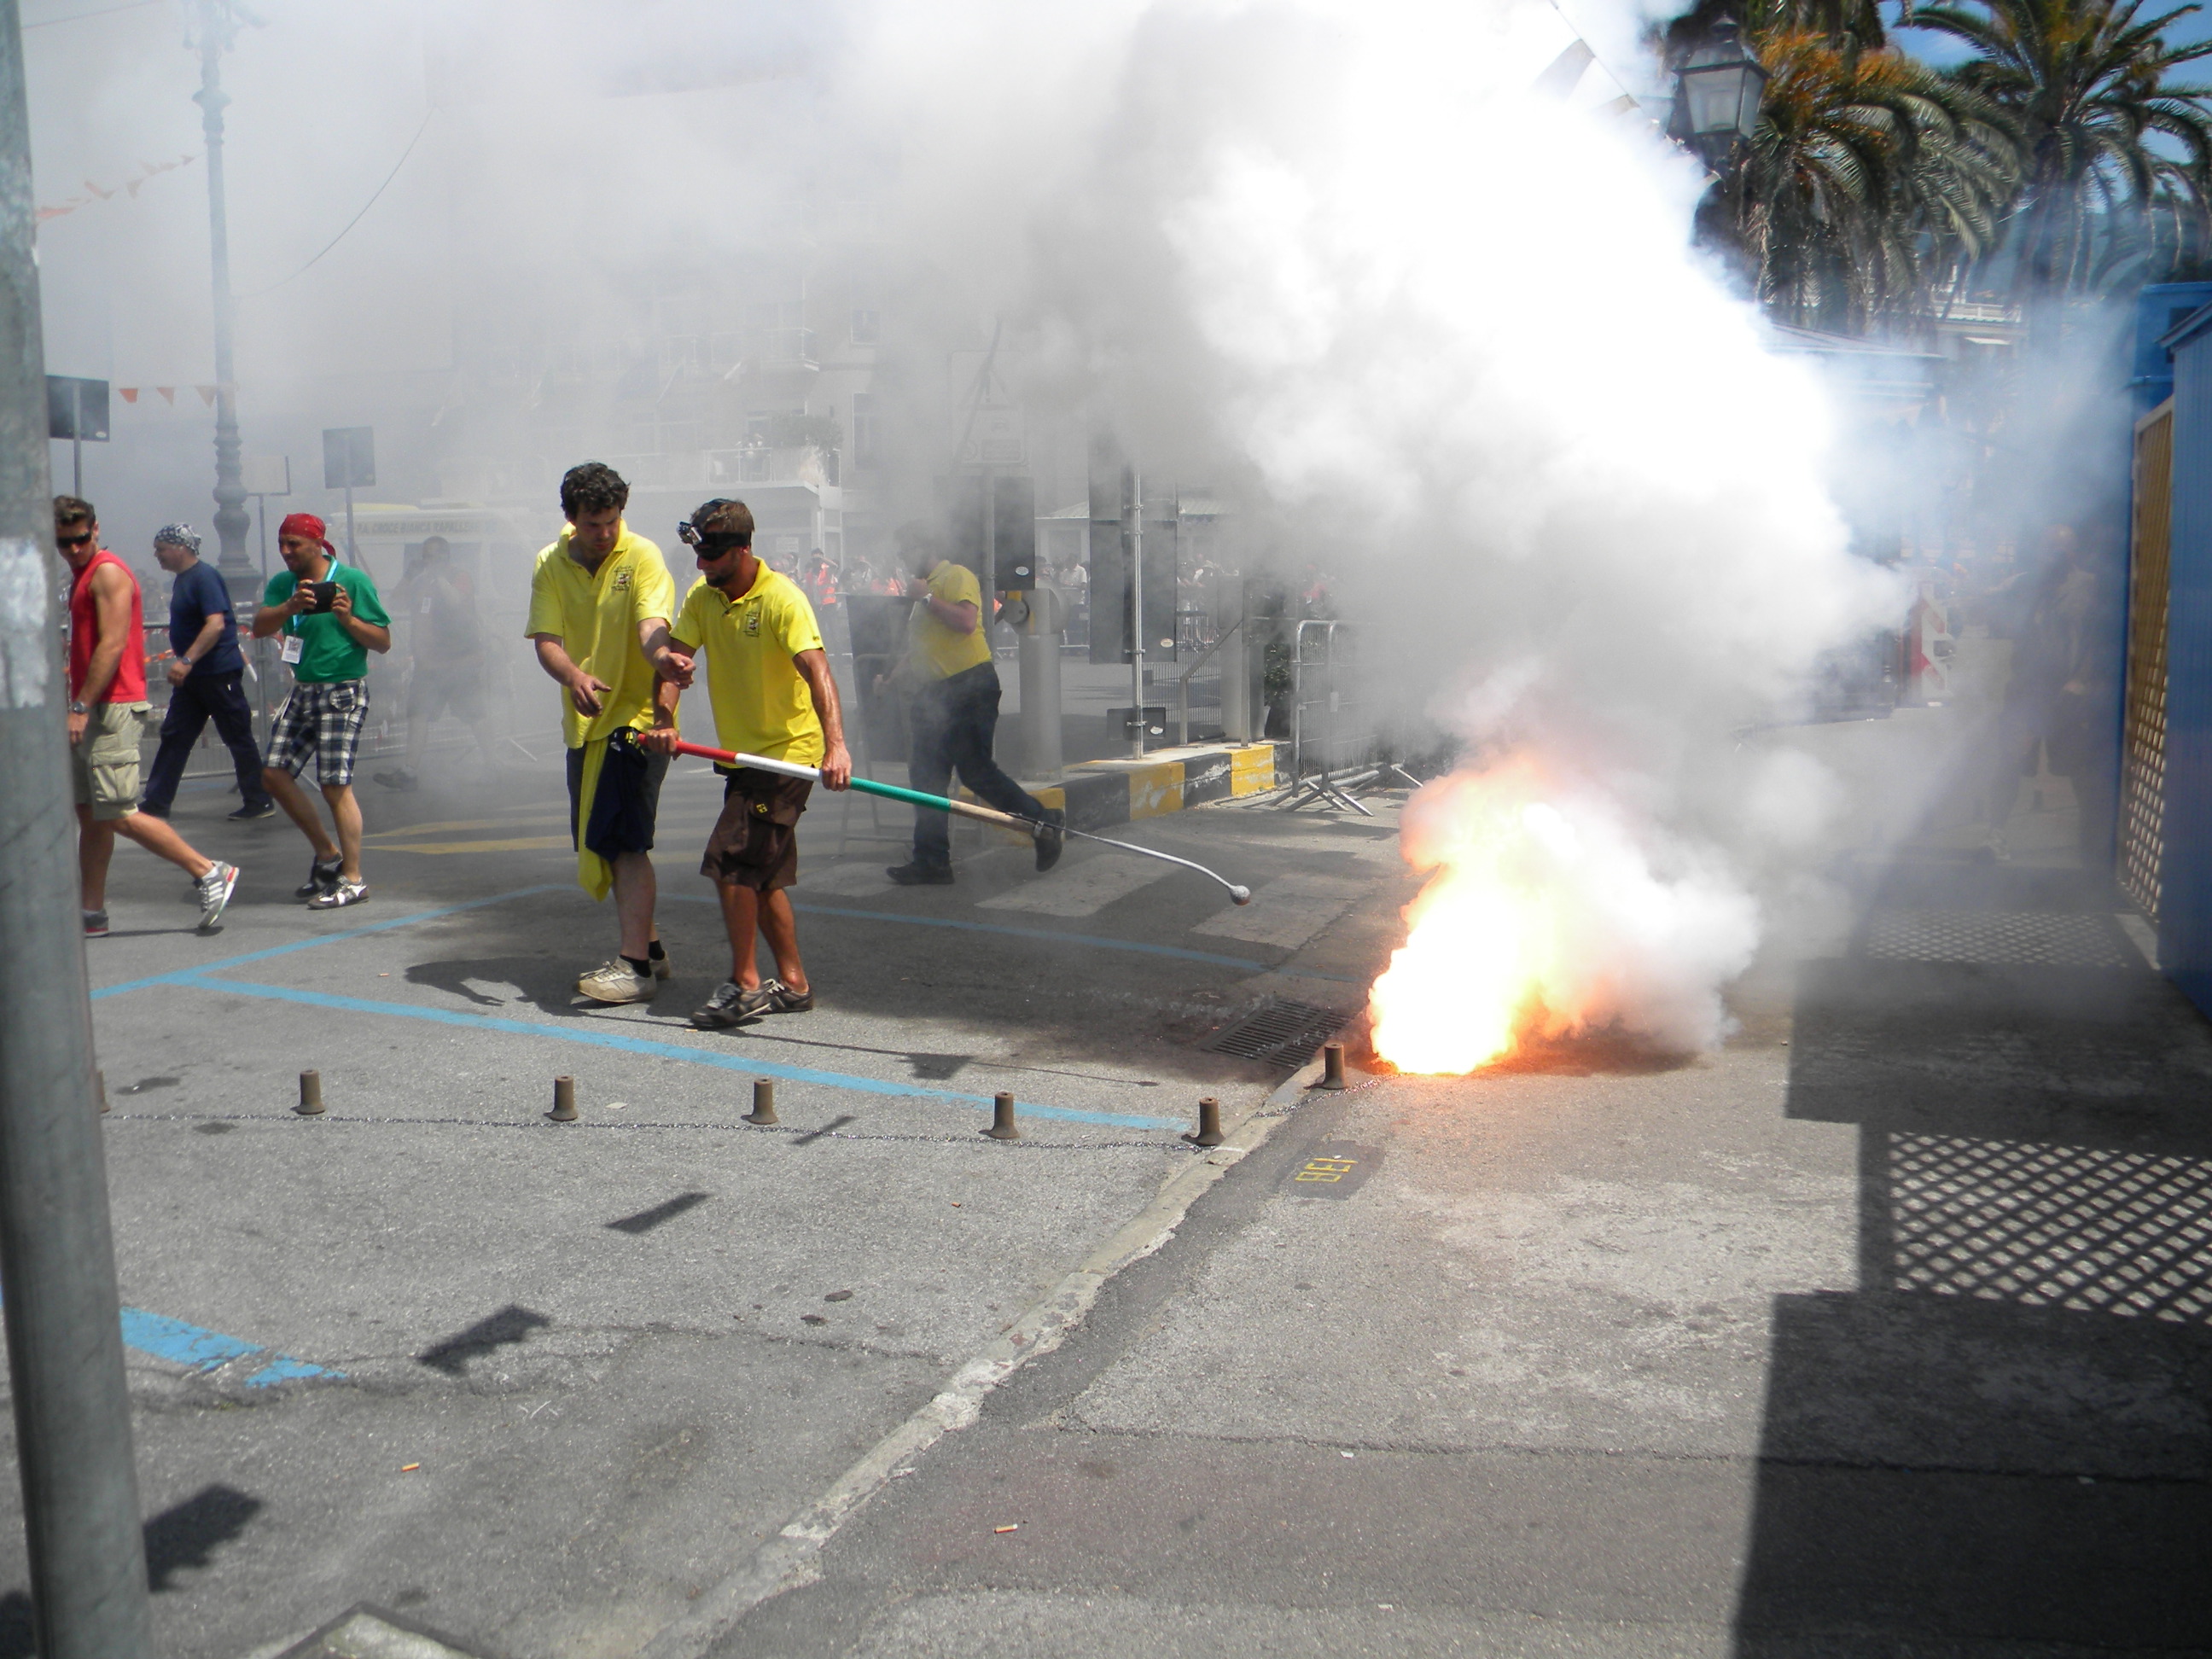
[(2185, 902)]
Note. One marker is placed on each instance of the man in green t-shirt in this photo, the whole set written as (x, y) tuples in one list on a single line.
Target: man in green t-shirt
[(331, 619)]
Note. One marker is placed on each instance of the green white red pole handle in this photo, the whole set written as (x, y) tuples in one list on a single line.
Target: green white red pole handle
[(959, 808)]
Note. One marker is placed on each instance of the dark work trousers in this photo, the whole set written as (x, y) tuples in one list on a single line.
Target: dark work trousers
[(202, 698), (951, 723)]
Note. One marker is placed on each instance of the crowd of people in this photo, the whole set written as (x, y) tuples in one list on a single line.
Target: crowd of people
[(605, 624)]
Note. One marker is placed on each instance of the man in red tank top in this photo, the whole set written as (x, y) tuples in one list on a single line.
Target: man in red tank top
[(108, 711)]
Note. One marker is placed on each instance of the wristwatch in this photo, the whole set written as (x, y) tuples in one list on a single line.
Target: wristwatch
[(79, 709)]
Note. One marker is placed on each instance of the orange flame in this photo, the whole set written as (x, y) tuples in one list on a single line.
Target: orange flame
[(1468, 980), (1553, 915)]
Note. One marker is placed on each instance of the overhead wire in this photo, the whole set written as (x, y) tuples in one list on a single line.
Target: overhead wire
[(357, 217)]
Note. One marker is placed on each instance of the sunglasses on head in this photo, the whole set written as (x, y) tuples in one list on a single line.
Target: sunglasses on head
[(84, 540), (711, 544)]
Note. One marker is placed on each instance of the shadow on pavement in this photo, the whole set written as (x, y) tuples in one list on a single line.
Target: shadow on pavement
[(2002, 1437), (185, 1536)]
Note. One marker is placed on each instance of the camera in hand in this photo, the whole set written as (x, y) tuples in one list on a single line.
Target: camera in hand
[(325, 595)]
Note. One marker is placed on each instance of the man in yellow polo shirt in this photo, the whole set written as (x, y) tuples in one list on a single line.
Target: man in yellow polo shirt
[(599, 600), (954, 713), (769, 681)]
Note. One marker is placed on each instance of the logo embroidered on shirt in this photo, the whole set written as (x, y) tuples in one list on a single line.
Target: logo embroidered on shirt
[(622, 580), (752, 623)]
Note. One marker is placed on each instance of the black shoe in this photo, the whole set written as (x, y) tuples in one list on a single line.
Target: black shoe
[(254, 814), (782, 999), (921, 875), (731, 1005), (321, 878), (1050, 836), (153, 810), (401, 779)]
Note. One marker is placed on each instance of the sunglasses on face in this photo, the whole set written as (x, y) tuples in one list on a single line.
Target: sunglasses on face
[(85, 540)]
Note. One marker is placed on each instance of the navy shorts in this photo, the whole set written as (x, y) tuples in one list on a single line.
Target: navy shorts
[(624, 805)]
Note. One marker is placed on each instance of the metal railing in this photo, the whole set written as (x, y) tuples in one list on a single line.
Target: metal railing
[(1182, 685), (1330, 734)]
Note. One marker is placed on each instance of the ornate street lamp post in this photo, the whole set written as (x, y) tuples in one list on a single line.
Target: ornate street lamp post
[(1717, 93), (214, 25), (1718, 90)]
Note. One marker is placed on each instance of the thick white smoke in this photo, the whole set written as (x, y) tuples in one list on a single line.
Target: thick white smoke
[(1428, 332), (1448, 337)]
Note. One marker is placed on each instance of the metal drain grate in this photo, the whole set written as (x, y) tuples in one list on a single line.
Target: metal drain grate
[(1278, 1032)]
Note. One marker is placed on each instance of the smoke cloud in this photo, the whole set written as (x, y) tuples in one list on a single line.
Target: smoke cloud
[(1431, 333)]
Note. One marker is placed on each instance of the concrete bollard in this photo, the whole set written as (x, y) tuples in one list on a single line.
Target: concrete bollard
[(564, 1100), (763, 1111), (1332, 1067), (311, 1095), (1209, 1124), (1002, 1117)]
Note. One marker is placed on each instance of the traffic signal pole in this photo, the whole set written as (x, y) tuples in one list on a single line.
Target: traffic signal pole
[(57, 1257)]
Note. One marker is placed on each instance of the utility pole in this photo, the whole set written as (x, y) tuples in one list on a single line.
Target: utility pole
[(216, 24), (88, 1558), (1136, 613)]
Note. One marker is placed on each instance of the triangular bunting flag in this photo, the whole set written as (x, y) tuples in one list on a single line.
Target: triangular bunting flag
[(207, 395), (130, 393), (168, 394)]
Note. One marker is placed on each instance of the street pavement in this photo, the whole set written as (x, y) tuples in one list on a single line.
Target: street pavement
[(1881, 1331), (542, 1387), (1884, 1329)]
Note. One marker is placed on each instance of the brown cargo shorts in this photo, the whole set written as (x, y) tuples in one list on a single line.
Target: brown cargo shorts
[(103, 762), (756, 840)]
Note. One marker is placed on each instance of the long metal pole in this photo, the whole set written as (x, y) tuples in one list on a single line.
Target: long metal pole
[(1136, 613), (88, 1562), (231, 523)]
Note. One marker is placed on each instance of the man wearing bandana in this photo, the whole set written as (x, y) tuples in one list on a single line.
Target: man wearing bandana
[(329, 618), (204, 668)]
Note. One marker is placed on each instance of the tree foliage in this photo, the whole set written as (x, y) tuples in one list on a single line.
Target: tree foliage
[(2063, 158)]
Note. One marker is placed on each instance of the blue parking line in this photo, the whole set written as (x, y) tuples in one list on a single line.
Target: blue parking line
[(615, 1040), (181, 1344), (182, 975)]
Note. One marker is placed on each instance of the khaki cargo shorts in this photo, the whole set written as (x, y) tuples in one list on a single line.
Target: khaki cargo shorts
[(103, 762)]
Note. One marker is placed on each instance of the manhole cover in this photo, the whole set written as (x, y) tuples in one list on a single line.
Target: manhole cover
[(1278, 1032)]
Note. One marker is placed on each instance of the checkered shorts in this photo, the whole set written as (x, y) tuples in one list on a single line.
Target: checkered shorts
[(322, 719)]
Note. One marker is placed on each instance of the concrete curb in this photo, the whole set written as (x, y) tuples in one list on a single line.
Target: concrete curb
[(787, 1560)]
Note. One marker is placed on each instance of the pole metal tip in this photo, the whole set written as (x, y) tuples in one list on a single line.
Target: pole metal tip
[(1241, 895)]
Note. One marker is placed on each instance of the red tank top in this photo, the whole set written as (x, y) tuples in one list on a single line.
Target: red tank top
[(128, 685)]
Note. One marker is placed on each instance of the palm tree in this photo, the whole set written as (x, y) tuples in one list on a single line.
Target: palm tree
[(1870, 180), (2116, 158)]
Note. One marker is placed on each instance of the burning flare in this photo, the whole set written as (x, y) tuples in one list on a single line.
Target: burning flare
[(1549, 917)]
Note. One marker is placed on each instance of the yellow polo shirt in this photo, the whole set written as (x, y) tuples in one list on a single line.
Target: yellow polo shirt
[(597, 613), (934, 652), (761, 705)]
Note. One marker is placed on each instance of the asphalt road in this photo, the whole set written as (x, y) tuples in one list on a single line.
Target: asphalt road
[(1886, 1330), (541, 1386)]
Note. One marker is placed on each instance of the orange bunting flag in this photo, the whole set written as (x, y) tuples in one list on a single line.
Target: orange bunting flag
[(130, 393), (207, 395), (168, 394)]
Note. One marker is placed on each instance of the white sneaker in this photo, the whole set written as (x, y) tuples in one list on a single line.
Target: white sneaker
[(618, 981), (213, 890)]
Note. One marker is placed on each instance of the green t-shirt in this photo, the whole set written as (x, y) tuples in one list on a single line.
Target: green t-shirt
[(327, 652)]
